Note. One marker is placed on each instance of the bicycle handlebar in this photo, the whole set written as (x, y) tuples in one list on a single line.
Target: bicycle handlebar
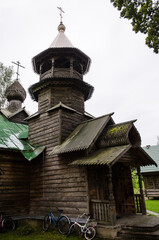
[(84, 214)]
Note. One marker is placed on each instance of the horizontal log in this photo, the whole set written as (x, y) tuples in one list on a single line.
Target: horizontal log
[(55, 199), (14, 164), (51, 189), (13, 197), (44, 185), (61, 194), (58, 204)]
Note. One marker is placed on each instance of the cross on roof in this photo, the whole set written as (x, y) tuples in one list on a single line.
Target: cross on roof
[(61, 11), (18, 65)]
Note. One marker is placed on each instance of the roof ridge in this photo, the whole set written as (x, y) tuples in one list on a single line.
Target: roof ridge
[(109, 114), (131, 121)]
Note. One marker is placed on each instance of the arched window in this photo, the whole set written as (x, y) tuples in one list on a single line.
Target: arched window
[(62, 63), (46, 66)]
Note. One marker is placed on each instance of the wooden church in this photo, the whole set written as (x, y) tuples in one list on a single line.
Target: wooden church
[(65, 157)]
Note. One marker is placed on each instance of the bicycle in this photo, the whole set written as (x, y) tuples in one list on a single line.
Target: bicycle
[(62, 222), (89, 232), (6, 223)]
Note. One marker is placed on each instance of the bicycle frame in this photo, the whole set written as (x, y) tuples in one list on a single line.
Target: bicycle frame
[(54, 219), (83, 228), (1, 219)]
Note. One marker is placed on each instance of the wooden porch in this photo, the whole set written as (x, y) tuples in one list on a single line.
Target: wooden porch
[(104, 211)]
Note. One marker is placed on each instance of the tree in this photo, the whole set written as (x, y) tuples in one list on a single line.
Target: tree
[(5, 81), (144, 16)]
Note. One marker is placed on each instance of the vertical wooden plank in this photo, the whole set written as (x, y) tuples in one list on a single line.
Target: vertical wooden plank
[(143, 206)]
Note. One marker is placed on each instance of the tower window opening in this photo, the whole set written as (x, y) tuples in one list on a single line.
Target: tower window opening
[(62, 63), (77, 67), (46, 66)]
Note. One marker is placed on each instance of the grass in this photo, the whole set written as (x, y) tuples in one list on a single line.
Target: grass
[(28, 232), (152, 205)]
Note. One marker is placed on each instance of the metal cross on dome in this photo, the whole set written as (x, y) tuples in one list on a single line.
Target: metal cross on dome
[(18, 65), (61, 11)]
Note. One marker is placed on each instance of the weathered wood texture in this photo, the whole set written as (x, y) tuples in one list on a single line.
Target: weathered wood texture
[(53, 182), (151, 183), (19, 118), (69, 122), (67, 95), (98, 182), (14, 183), (101, 210), (123, 189), (102, 206), (44, 100)]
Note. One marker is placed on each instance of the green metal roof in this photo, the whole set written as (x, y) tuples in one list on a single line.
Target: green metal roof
[(83, 136), (153, 152), (106, 156), (14, 136)]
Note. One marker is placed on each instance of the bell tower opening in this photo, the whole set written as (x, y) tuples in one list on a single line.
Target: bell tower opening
[(62, 62), (46, 66), (61, 68)]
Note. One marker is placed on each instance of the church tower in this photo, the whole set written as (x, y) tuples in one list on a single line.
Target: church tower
[(60, 93), (61, 68)]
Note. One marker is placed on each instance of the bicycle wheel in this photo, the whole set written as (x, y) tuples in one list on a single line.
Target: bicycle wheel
[(63, 224), (46, 223), (90, 233), (70, 230), (8, 224)]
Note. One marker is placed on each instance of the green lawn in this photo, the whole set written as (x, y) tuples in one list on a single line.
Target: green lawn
[(27, 232), (152, 205), (35, 236)]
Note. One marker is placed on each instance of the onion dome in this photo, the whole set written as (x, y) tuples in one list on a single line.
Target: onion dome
[(16, 92)]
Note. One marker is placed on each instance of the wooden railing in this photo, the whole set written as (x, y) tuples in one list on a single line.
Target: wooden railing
[(61, 72), (103, 211), (138, 203)]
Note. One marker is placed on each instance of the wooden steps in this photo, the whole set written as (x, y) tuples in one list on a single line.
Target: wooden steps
[(138, 233)]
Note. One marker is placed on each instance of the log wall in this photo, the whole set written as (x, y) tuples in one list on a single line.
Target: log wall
[(69, 122), (14, 183), (53, 182), (69, 96), (19, 118), (151, 182)]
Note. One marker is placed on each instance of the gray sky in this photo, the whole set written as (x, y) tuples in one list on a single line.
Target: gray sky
[(124, 71)]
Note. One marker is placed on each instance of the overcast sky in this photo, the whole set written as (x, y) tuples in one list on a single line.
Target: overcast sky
[(123, 71)]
